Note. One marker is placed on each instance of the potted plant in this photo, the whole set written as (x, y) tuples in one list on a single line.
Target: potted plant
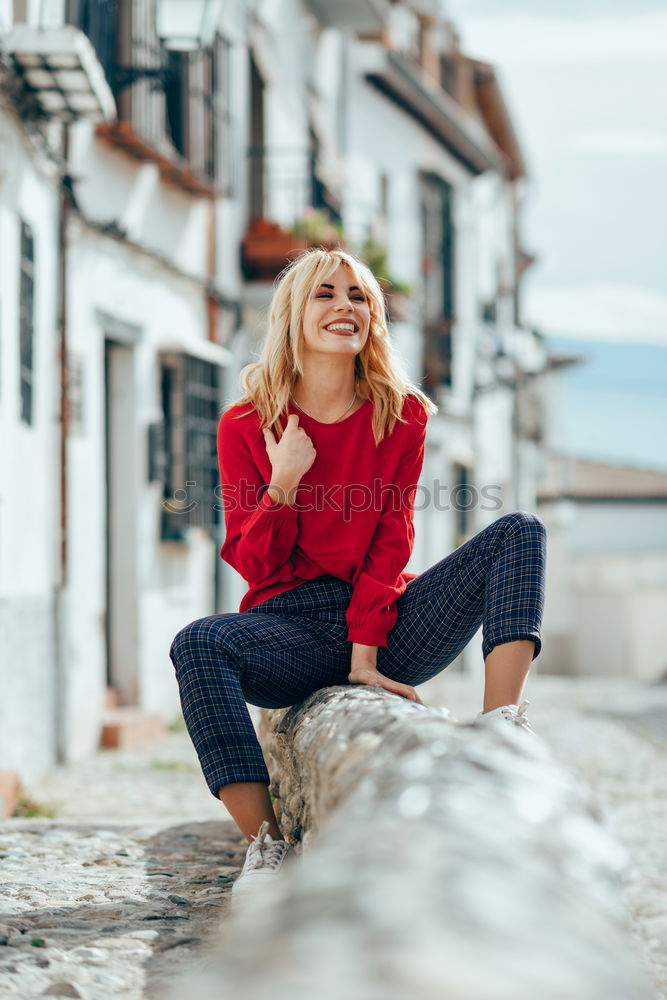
[(317, 228), (397, 293), (266, 249)]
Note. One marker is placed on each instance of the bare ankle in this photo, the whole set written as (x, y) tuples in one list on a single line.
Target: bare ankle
[(249, 805)]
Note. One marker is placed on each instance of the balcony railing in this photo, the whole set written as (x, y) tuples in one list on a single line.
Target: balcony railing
[(281, 183), (285, 194)]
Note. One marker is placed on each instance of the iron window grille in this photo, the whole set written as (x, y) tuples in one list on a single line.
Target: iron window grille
[(183, 448), (198, 112), (183, 97)]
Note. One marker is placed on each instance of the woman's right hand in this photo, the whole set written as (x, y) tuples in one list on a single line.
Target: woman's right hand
[(292, 456), (368, 674)]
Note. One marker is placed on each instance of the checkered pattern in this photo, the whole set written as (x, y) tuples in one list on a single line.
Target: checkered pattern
[(294, 643)]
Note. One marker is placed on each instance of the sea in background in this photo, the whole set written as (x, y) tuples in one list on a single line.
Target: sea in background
[(615, 402)]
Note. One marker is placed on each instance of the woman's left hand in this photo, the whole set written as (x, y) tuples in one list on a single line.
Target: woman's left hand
[(368, 674)]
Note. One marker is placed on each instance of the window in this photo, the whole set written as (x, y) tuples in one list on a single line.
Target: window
[(182, 450), (97, 19), (318, 194), (27, 321), (176, 101), (221, 155), (198, 111), (449, 74), (438, 277), (463, 501), (256, 153)]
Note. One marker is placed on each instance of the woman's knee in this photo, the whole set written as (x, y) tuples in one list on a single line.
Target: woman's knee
[(524, 520), (197, 642)]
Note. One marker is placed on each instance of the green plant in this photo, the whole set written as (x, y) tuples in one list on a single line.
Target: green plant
[(177, 724), (173, 765), (375, 256), (29, 808), (316, 227)]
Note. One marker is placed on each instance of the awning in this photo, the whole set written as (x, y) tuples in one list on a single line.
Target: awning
[(59, 67), (204, 350)]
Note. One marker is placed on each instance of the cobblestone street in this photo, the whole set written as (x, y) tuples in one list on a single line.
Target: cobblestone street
[(121, 889)]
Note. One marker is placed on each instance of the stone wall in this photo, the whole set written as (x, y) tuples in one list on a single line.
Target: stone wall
[(439, 860)]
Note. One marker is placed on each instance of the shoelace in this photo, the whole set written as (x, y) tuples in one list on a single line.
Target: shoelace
[(518, 717), (266, 855)]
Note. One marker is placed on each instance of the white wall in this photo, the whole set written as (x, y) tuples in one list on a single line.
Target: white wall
[(605, 603), (28, 485), (620, 631), (174, 581), (494, 451), (113, 187), (620, 527), (6, 14)]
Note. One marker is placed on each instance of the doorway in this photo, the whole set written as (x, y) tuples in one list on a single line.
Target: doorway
[(121, 487)]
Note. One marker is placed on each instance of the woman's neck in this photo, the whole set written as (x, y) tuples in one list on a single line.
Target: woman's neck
[(318, 412), (325, 397)]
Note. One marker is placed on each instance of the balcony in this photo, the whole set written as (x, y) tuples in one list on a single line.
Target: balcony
[(60, 74), (403, 82), (268, 247), (363, 17), (175, 171), (289, 210)]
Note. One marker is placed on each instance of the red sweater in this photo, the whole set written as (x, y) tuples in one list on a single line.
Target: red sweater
[(352, 516)]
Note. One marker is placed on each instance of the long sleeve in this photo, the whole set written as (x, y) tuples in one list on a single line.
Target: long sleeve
[(260, 534), (372, 611)]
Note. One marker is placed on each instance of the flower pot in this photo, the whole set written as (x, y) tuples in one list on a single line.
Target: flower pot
[(266, 249)]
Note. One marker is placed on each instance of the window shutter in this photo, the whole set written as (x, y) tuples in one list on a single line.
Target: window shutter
[(26, 321)]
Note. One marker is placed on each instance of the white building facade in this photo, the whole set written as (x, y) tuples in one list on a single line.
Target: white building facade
[(139, 239), (111, 278)]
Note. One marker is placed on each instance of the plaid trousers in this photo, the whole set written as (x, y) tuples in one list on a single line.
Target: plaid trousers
[(281, 651)]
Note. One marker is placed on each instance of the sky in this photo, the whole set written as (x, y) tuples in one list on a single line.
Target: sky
[(579, 9), (586, 83), (614, 405)]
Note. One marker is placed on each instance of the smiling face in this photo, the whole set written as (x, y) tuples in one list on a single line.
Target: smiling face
[(337, 316)]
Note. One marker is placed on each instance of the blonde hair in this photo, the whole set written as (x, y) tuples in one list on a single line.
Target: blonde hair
[(268, 382)]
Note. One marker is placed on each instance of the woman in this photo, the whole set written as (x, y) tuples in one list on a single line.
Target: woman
[(319, 465)]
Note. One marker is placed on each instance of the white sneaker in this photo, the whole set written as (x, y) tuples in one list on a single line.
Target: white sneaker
[(512, 714), (263, 860)]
